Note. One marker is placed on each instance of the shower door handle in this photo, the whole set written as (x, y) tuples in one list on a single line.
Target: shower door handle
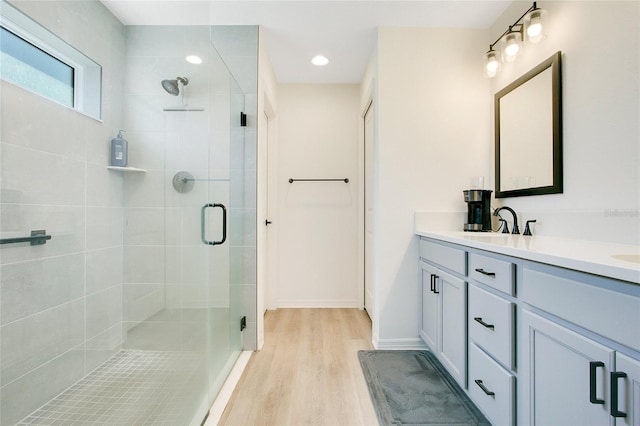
[(203, 226)]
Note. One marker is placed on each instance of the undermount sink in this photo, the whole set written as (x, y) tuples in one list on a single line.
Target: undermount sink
[(635, 258), (481, 234)]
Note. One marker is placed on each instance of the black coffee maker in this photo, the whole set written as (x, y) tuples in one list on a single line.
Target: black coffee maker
[(478, 210)]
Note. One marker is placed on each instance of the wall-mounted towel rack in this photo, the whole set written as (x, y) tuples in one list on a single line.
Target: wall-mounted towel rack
[(345, 180), (36, 238)]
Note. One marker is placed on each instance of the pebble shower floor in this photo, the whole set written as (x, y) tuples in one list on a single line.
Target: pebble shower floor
[(131, 388)]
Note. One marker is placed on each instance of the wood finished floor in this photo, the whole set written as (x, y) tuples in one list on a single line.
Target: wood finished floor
[(307, 372)]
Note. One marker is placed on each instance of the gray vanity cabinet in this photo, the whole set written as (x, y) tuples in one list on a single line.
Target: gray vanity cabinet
[(444, 306), (546, 345), (574, 332)]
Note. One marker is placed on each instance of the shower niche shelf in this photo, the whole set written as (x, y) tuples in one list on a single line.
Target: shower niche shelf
[(127, 169)]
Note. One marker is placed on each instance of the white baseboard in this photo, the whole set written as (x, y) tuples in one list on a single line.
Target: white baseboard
[(401, 344), (374, 339), (318, 303), (227, 389)]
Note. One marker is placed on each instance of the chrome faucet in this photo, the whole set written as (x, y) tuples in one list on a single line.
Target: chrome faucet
[(515, 218)]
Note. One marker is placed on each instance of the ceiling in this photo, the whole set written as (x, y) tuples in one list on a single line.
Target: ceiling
[(295, 31)]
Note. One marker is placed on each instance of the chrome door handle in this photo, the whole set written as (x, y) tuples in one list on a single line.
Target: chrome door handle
[(203, 227)]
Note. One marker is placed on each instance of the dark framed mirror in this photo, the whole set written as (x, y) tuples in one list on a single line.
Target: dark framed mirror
[(528, 133)]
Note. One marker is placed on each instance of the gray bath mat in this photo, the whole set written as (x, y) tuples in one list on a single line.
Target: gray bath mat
[(412, 388)]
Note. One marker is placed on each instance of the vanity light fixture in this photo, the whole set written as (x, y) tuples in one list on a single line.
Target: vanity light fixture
[(528, 27), (319, 60)]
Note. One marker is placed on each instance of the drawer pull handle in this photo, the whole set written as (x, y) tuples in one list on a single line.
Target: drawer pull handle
[(483, 272), (435, 284), (615, 376), (593, 365), (484, 388), (479, 320)]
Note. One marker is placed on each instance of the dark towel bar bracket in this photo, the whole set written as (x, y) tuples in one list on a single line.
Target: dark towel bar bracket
[(345, 180), (37, 238)]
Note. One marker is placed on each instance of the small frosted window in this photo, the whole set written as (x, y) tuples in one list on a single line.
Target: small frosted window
[(26, 65), (36, 59)]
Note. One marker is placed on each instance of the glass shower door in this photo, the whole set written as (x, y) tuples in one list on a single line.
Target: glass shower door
[(225, 189), (186, 311)]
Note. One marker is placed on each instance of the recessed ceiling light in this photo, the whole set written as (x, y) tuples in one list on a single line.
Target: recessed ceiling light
[(319, 60), (193, 59)]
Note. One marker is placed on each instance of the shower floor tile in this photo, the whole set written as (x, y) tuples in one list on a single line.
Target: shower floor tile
[(132, 388)]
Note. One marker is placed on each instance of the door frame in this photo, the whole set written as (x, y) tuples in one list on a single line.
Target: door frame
[(363, 211)]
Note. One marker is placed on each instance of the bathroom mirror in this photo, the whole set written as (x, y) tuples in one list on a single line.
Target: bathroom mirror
[(528, 133)]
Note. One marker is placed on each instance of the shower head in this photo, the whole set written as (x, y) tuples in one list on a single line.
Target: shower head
[(173, 86)]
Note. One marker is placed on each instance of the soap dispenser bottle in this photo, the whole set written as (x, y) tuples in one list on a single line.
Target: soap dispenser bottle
[(119, 151)]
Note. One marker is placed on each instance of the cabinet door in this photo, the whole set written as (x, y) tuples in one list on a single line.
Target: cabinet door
[(628, 386), (558, 378), (453, 337), (430, 308)]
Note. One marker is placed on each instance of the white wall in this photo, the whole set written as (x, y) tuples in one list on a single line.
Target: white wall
[(318, 221), (433, 129), (600, 44), (266, 189)]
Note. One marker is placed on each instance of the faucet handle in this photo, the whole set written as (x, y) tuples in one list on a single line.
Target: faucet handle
[(527, 229), (504, 226)]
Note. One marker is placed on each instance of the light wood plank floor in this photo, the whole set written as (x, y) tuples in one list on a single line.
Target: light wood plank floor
[(307, 372)]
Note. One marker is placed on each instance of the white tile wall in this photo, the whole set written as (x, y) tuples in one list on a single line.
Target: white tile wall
[(32, 286), (50, 333), (104, 269), (54, 177)]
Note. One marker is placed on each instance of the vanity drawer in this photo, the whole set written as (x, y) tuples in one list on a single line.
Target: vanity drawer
[(595, 305), (491, 324), (451, 258), (495, 273), (491, 387)]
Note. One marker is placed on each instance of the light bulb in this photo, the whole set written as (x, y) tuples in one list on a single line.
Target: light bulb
[(511, 46), (492, 64), (512, 49), (533, 23), (492, 68), (535, 29)]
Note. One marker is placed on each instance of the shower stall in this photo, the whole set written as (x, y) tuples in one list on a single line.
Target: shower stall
[(136, 308)]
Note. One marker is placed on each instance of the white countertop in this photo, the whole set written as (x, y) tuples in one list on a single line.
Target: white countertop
[(611, 260)]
